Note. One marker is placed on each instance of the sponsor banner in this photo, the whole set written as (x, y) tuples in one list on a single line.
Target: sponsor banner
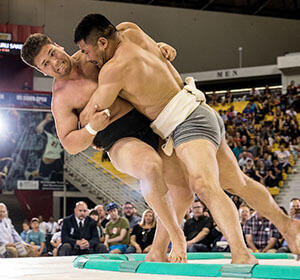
[(25, 100), (7, 47), (28, 185)]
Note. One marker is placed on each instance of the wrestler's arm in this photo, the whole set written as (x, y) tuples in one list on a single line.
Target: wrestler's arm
[(110, 83), (167, 51), (74, 140)]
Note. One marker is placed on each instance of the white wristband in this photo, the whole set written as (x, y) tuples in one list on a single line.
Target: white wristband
[(90, 130), (107, 112)]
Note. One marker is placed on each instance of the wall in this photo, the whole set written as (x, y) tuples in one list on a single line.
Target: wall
[(204, 40)]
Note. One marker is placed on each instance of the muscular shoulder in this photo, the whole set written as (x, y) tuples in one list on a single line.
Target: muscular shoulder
[(127, 25)]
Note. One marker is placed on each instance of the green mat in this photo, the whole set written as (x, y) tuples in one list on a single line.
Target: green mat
[(135, 263)]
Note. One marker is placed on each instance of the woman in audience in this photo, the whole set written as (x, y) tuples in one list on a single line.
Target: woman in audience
[(142, 234), (95, 216)]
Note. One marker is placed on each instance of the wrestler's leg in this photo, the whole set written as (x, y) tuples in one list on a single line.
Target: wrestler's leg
[(136, 158), (256, 195), (199, 159), (182, 197)]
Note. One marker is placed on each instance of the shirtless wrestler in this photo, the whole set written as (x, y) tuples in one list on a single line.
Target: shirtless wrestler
[(75, 81), (154, 87)]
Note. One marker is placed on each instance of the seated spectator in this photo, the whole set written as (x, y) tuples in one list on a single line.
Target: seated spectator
[(13, 245), (117, 232), (43, 227), (249, 169), (248, 110), (227, 98), (294, 212), (196, 229), (36, 238), (56, 238), (51, 229), (261, 234), (269, 118), (254, 149), (143, 234), (261, 172), (103, 220), (95, 216), (26, 229), (237, 150), (79, 233), (283, 158), (129, 215), (244, 159), (214, 99)]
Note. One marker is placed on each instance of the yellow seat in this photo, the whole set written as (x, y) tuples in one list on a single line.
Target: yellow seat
[(280, 184), (274, 191)]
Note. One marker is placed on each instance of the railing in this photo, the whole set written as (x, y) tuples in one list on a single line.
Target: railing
[(101, 182)]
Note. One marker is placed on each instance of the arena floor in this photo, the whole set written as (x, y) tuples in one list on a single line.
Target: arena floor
[(60, 268)]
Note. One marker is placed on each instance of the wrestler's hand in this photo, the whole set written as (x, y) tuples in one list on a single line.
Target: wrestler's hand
[(98, 119), (167, 51)]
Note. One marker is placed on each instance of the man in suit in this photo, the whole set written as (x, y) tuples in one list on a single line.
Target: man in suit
[(79, 233)]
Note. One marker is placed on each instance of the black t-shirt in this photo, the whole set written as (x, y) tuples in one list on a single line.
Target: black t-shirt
[(143, 237), (104, 222), (192, 227)]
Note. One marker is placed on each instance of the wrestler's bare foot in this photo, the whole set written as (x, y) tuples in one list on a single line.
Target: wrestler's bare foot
[(291, 234), (245, 258), (178, 252), (156, 256)]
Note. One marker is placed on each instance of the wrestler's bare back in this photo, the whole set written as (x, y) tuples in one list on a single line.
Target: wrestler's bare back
[(141, 76)]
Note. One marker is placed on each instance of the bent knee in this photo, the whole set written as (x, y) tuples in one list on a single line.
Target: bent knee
[(151, 167), (202, 186)]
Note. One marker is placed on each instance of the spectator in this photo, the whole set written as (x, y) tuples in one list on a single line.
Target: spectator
[(117, 231), (43, 225), (26, 229), (244, 159), (95, 216), (10, 239), (261, 172), (56, 239), (248, 169), (197, 229), (36, 238), (254, 149), (79, 233), (294, 212), (238, 149), (103, 220), (51, 229), (26, 86), (261, 234), (143, 234), (244, 213), (129, 215), (283, 158)]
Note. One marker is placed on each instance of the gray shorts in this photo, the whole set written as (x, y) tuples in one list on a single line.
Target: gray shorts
[(203, 123)]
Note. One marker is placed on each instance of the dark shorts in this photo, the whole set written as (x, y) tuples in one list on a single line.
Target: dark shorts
[(133, 124)]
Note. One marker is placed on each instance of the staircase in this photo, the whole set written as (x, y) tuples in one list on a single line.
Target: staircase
[(291, 188), (99, 183)]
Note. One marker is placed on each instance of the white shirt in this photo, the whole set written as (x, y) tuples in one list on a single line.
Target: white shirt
[(78, 221), (43, 227), (52, 227), (8, 233)]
